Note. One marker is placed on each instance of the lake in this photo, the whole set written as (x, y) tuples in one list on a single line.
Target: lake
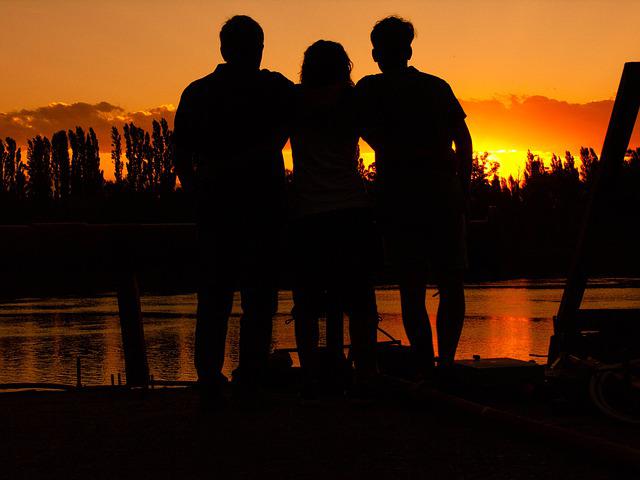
[(40, 339)]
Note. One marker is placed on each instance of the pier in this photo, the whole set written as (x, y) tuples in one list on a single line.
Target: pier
[(165, 434)]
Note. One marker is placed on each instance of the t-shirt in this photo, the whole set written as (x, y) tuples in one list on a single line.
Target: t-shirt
[(324, 144), (231, 127), (408, 117)]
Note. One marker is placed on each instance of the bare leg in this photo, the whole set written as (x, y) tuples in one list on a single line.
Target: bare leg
[(450, 319), (335, 326), (363, 320), (259, 305), (306, 328), (214, 308), (416, 322)]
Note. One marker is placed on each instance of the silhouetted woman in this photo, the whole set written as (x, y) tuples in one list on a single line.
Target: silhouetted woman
[(332, 228)]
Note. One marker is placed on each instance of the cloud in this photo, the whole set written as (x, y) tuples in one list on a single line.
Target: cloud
[(512, 125), (24, 124), (540, 123)]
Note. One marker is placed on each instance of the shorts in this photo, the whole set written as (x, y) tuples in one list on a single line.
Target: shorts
[(423, 228), (437, 247)]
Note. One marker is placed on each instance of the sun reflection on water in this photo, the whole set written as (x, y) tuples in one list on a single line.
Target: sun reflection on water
[(40, 339)]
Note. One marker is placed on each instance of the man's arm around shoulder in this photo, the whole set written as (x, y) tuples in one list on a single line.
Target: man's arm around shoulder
[(365, 111)]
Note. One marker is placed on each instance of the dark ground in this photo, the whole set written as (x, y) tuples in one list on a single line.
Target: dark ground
[(165, 434)]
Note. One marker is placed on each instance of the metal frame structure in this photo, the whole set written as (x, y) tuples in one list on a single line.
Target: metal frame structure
[(570, 319)]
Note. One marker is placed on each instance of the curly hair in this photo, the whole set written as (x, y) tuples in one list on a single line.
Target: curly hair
[(326, 63), (392, 33)]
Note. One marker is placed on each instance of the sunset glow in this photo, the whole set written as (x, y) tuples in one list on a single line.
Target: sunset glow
[(530, 74)]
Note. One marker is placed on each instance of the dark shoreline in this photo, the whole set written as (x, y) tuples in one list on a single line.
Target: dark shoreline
[(532, 283)]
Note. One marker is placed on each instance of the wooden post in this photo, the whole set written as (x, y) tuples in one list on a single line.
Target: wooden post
[(78, 372), (135, 355), (616, 142), (335, 333)]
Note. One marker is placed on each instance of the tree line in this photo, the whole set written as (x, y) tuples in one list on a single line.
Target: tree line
[(67, 165), (533, 222), (525, 225)]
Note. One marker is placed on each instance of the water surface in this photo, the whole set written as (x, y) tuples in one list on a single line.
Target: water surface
[(40, 339)]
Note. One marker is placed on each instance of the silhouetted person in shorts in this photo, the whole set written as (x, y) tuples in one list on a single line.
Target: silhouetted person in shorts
[(411, 119), (332, 224), (229, 131)]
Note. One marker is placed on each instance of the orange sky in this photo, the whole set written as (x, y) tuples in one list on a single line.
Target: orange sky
[(533, 74)]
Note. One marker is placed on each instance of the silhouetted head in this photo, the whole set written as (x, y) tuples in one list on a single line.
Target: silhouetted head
[(326, 63), (391, 38), (241, 42)]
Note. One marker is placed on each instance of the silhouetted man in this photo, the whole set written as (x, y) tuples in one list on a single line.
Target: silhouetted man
[(410, 119), (229, 134)]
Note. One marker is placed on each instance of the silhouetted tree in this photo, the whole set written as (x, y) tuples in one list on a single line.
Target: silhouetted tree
[(589, 164), (485, 184), (168, 175), (3, 159), (367, 173), (134, 152), (9, 167), (533, 167), (93, 177), (496, 183), (77, 141), (116, 155), (556, 165), (147, 165), (629, 191), (20, 176), (38, 166), (162, 154), (513, 185), (483, 171), (570, 167), (157, 148), (632, 159), (532, 219), (60, 165)]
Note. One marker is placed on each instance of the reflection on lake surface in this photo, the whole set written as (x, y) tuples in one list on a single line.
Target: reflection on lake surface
[(40, 339)]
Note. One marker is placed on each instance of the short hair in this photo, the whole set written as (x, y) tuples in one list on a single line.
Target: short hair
[(241, 32), (392, 33), (326, 63)]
